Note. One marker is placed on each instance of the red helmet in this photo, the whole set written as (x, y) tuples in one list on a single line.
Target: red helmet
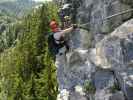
[(54, 26)]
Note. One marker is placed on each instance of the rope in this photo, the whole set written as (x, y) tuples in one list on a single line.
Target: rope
[(121, 13), (109, 17)]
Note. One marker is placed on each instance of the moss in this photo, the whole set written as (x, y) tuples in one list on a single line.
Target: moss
[(89, 87), (114, 88)]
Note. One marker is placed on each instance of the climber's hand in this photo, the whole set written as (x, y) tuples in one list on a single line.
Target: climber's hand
[(75, 26)]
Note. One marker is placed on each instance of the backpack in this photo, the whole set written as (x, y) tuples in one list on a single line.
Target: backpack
[(53, 46)]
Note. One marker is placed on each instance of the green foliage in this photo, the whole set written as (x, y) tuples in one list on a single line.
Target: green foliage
[(114, 88), (53, 10), (89, 87), (27, 71)]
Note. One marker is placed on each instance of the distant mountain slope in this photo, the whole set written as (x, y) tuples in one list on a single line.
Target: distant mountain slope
[(16, 8), (11, 15), (6, 0)]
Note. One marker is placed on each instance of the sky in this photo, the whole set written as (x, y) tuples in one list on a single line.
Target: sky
[(42, 0)]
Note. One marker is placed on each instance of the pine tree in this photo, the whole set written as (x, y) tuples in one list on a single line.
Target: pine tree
[(27, 70)]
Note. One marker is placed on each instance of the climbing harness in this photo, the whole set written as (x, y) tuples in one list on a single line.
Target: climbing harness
[(53, 46)]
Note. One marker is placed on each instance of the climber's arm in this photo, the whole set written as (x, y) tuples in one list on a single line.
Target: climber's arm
[(66, 31), (63, 33)]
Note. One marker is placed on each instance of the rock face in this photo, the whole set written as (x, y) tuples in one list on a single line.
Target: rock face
[(117, 48), (108, 67), (98, 65), (117, 54), (95, 13)]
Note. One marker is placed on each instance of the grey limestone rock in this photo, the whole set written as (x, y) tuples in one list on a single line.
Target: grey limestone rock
[(125, 78), (117, 96), (110, 61)]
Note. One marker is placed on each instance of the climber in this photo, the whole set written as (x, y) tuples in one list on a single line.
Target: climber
[(57, 39)]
